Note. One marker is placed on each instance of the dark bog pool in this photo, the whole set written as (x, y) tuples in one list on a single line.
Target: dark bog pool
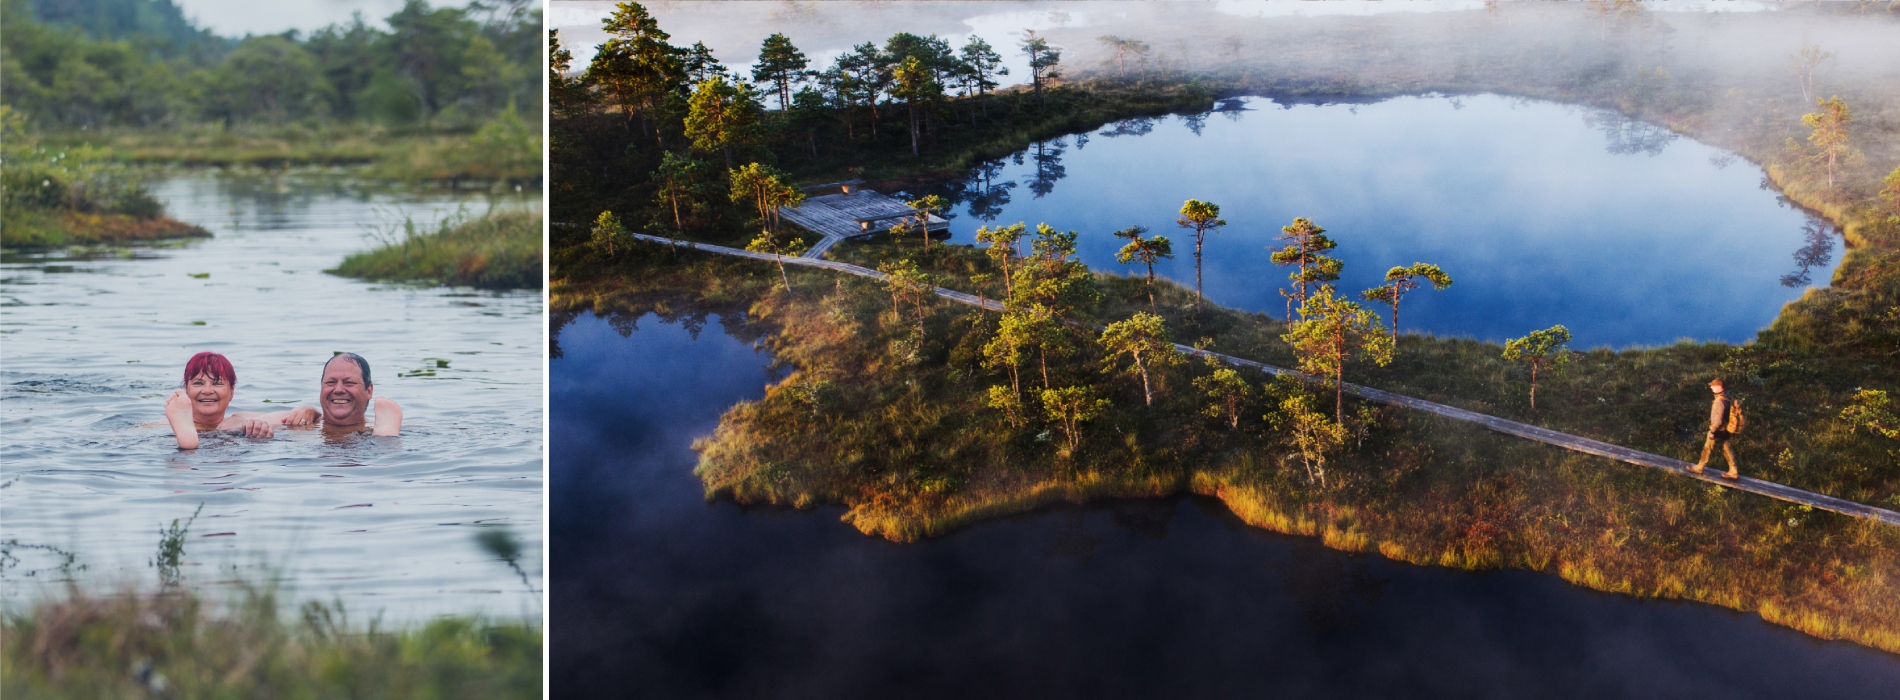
[(95, 341), (657, 592), (1542, 213)]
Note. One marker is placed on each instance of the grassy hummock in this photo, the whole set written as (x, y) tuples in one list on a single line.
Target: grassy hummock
[(51, 228), (54, 196), (498, 250), (173, 644)]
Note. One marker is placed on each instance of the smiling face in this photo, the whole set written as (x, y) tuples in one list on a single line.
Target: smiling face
[(345, 396), (209, 395)]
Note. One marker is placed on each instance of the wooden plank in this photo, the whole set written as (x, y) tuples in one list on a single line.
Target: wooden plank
[(1508, 427)]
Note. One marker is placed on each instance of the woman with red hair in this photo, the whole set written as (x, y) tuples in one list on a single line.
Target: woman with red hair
[(199, 405)]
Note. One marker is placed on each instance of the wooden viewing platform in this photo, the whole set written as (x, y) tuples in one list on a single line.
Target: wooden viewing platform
[(852, 212), (1508, 427)]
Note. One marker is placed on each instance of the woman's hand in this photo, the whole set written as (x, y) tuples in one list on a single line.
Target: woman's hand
[(254, 428), (178, 414)]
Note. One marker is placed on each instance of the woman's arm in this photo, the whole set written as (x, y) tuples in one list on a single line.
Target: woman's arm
[(301, 416), (178, 414), (388, 418), (251, 423)]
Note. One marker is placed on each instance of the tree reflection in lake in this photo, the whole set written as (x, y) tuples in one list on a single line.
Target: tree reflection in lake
[(1195, 122), (985, 196), (1048, 159), (1140, 126), (1818, 252), (1628, 136)]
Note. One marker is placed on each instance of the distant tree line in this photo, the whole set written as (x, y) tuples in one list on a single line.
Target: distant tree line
[(646, 112), (139, 63)]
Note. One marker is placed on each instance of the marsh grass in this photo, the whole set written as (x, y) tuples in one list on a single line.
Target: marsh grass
[(505, 149), (175, 644), (500, 249)]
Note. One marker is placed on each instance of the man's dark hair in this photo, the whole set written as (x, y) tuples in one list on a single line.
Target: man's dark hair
[(360, 363)]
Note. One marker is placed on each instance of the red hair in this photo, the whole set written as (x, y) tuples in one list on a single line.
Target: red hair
[(213, 364)]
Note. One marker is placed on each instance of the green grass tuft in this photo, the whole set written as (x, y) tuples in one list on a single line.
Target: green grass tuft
[(176, 645), (498, 250)]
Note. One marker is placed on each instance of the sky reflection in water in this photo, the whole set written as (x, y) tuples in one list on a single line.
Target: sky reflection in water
[(1542, 213)]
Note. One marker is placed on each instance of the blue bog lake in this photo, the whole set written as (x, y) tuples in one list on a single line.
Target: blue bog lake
[(1542, 213)]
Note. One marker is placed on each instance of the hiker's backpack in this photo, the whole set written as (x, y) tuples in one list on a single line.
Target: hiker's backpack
[(1735, 419)]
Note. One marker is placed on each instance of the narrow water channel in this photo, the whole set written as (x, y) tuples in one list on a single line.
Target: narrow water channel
[(654, 588), (95, 340)]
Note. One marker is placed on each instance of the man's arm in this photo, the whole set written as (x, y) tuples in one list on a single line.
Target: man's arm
[(300, 417), (388, 419), (178, 414), (1715, 415)]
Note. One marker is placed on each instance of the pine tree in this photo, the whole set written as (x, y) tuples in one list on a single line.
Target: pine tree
[(782, 65), (1830, 133), (1306, 243), (980, 65), (767, 189), (1331, 332), (1540, 348), (1144, 340), (721, 115), (1043, 61), (608, 233), (1202, 217), (636, 66), (915, 84), (1070, 407), (1226, 390), (1147, 251), (1399, 281)]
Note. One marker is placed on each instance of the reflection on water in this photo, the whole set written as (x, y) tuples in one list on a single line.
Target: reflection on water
[(657, 589), (94, 342), (1818, 253), (1542, 213)]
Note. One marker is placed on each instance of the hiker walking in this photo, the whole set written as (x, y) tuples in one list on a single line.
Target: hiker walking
[(1725, 420)]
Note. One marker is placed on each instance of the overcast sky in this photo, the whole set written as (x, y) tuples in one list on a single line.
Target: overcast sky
[(240, 17)]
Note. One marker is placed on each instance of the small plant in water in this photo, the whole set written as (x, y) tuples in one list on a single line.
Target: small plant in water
[(500, 542), (171, 549)]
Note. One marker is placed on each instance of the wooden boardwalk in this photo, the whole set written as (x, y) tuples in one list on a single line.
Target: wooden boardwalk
[(1508, 427), (853, 213)]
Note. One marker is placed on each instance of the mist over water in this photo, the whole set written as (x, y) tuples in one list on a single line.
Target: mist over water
[(655, 588), (94, 342)]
